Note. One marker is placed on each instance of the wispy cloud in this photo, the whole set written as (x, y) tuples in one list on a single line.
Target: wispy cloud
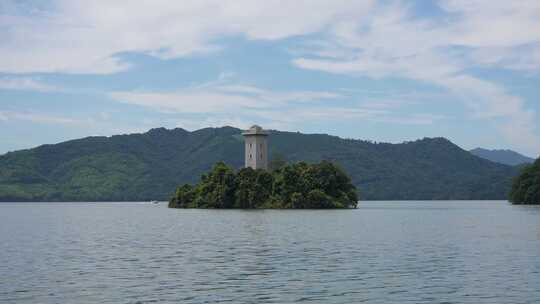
[(86, 36), (376, 39), (41, 118), (99, 124), (26, 84), (219, 98), (392, 43), (295, 118), (240, 105)]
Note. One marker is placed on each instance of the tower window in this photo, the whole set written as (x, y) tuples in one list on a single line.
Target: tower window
[(250, 156)]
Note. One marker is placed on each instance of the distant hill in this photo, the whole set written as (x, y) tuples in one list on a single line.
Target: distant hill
[(151, 165), (507, 157)]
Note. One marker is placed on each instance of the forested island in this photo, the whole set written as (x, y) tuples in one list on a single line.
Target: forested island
[(526, 186), (295, 186)]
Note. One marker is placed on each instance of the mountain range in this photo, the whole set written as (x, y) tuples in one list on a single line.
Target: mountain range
[(151, 165), (507, 157)]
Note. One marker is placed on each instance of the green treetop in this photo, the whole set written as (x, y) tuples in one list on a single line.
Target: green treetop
[(298, 186), (526, 186)]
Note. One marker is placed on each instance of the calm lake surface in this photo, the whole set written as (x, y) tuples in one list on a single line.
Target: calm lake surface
[(383, 252)]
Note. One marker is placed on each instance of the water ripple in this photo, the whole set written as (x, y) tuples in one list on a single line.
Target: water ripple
[(406, 252)]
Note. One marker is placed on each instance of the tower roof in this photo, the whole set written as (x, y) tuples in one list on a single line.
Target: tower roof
[(255, 130)]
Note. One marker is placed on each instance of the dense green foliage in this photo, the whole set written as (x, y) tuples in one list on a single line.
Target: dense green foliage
[(148, 166), (277, 161), (297, 186), (526, 186)]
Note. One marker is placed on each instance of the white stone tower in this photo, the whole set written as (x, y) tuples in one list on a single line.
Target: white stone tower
[(256, 140)]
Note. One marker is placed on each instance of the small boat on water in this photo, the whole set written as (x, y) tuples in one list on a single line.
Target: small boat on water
[(154, 202)]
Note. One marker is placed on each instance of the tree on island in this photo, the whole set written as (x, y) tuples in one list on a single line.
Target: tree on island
[(526, 186), (277, 161), (294, 186)]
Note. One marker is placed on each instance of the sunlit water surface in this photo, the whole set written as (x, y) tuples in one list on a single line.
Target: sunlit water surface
[(383, 252)]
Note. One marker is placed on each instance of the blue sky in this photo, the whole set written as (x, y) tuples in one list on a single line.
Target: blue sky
[(381, 70)]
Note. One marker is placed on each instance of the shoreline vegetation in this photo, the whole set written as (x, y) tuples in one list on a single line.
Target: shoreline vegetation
[(291, 186), (526, 186)]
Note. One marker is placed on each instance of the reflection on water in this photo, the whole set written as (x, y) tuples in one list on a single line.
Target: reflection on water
[(383, 252)]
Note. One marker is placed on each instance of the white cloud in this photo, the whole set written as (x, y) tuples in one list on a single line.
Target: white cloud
[(41, 118), (242, 105), (497, 23), (354, 113), (186, 102), (84, 36), (392, 43), (374, 39), (219, 98), (98, 125), (26, 84)]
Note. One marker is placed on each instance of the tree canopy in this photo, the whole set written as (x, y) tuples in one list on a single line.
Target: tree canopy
[(296, 186), (277, 160), (526, 186)]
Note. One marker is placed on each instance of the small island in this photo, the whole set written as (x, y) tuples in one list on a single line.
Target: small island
[(284, 186), (526, 186), (296, 186)]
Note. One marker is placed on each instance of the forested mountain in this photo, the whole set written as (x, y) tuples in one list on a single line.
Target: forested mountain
[(151, 165), (507, 157)]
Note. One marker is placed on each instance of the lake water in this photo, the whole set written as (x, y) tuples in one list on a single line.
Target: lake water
[(383, 252)]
